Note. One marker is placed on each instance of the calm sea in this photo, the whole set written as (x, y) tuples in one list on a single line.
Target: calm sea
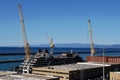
[(17, 53)]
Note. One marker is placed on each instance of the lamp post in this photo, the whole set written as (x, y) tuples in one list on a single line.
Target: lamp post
[(103, 65)]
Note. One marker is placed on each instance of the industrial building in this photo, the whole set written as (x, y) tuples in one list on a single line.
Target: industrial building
[(79, 71)]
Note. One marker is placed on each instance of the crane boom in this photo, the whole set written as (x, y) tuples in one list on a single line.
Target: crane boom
[(26, 44), (91, 38)]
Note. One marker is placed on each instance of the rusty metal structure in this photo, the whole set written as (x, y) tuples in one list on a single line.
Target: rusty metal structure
[(91, 38)]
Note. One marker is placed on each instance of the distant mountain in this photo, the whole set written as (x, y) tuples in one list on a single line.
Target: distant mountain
[(114, 46), (78, 45)]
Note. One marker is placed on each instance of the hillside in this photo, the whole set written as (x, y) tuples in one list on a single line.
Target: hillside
[(78, 45)]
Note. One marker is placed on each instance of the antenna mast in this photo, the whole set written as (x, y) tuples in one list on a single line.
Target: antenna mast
[(91, 38), (26, 44)]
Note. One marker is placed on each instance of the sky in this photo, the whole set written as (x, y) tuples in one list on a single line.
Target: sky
[(63, 20)]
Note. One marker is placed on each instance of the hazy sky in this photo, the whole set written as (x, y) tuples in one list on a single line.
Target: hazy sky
[(64, 20)]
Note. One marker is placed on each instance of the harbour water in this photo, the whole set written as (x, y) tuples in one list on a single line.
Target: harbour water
[(16, 53)]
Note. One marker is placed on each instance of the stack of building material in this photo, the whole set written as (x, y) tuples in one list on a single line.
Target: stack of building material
[(108, 59), (4, 73), (27, 77), (114, 75)]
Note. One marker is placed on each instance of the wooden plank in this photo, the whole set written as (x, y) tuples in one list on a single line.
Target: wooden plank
[(63, 79), (49, 70), (52, 74)]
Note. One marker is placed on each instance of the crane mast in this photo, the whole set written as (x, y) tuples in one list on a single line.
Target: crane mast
[(51, 43), (91, 38), (26, 44)]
